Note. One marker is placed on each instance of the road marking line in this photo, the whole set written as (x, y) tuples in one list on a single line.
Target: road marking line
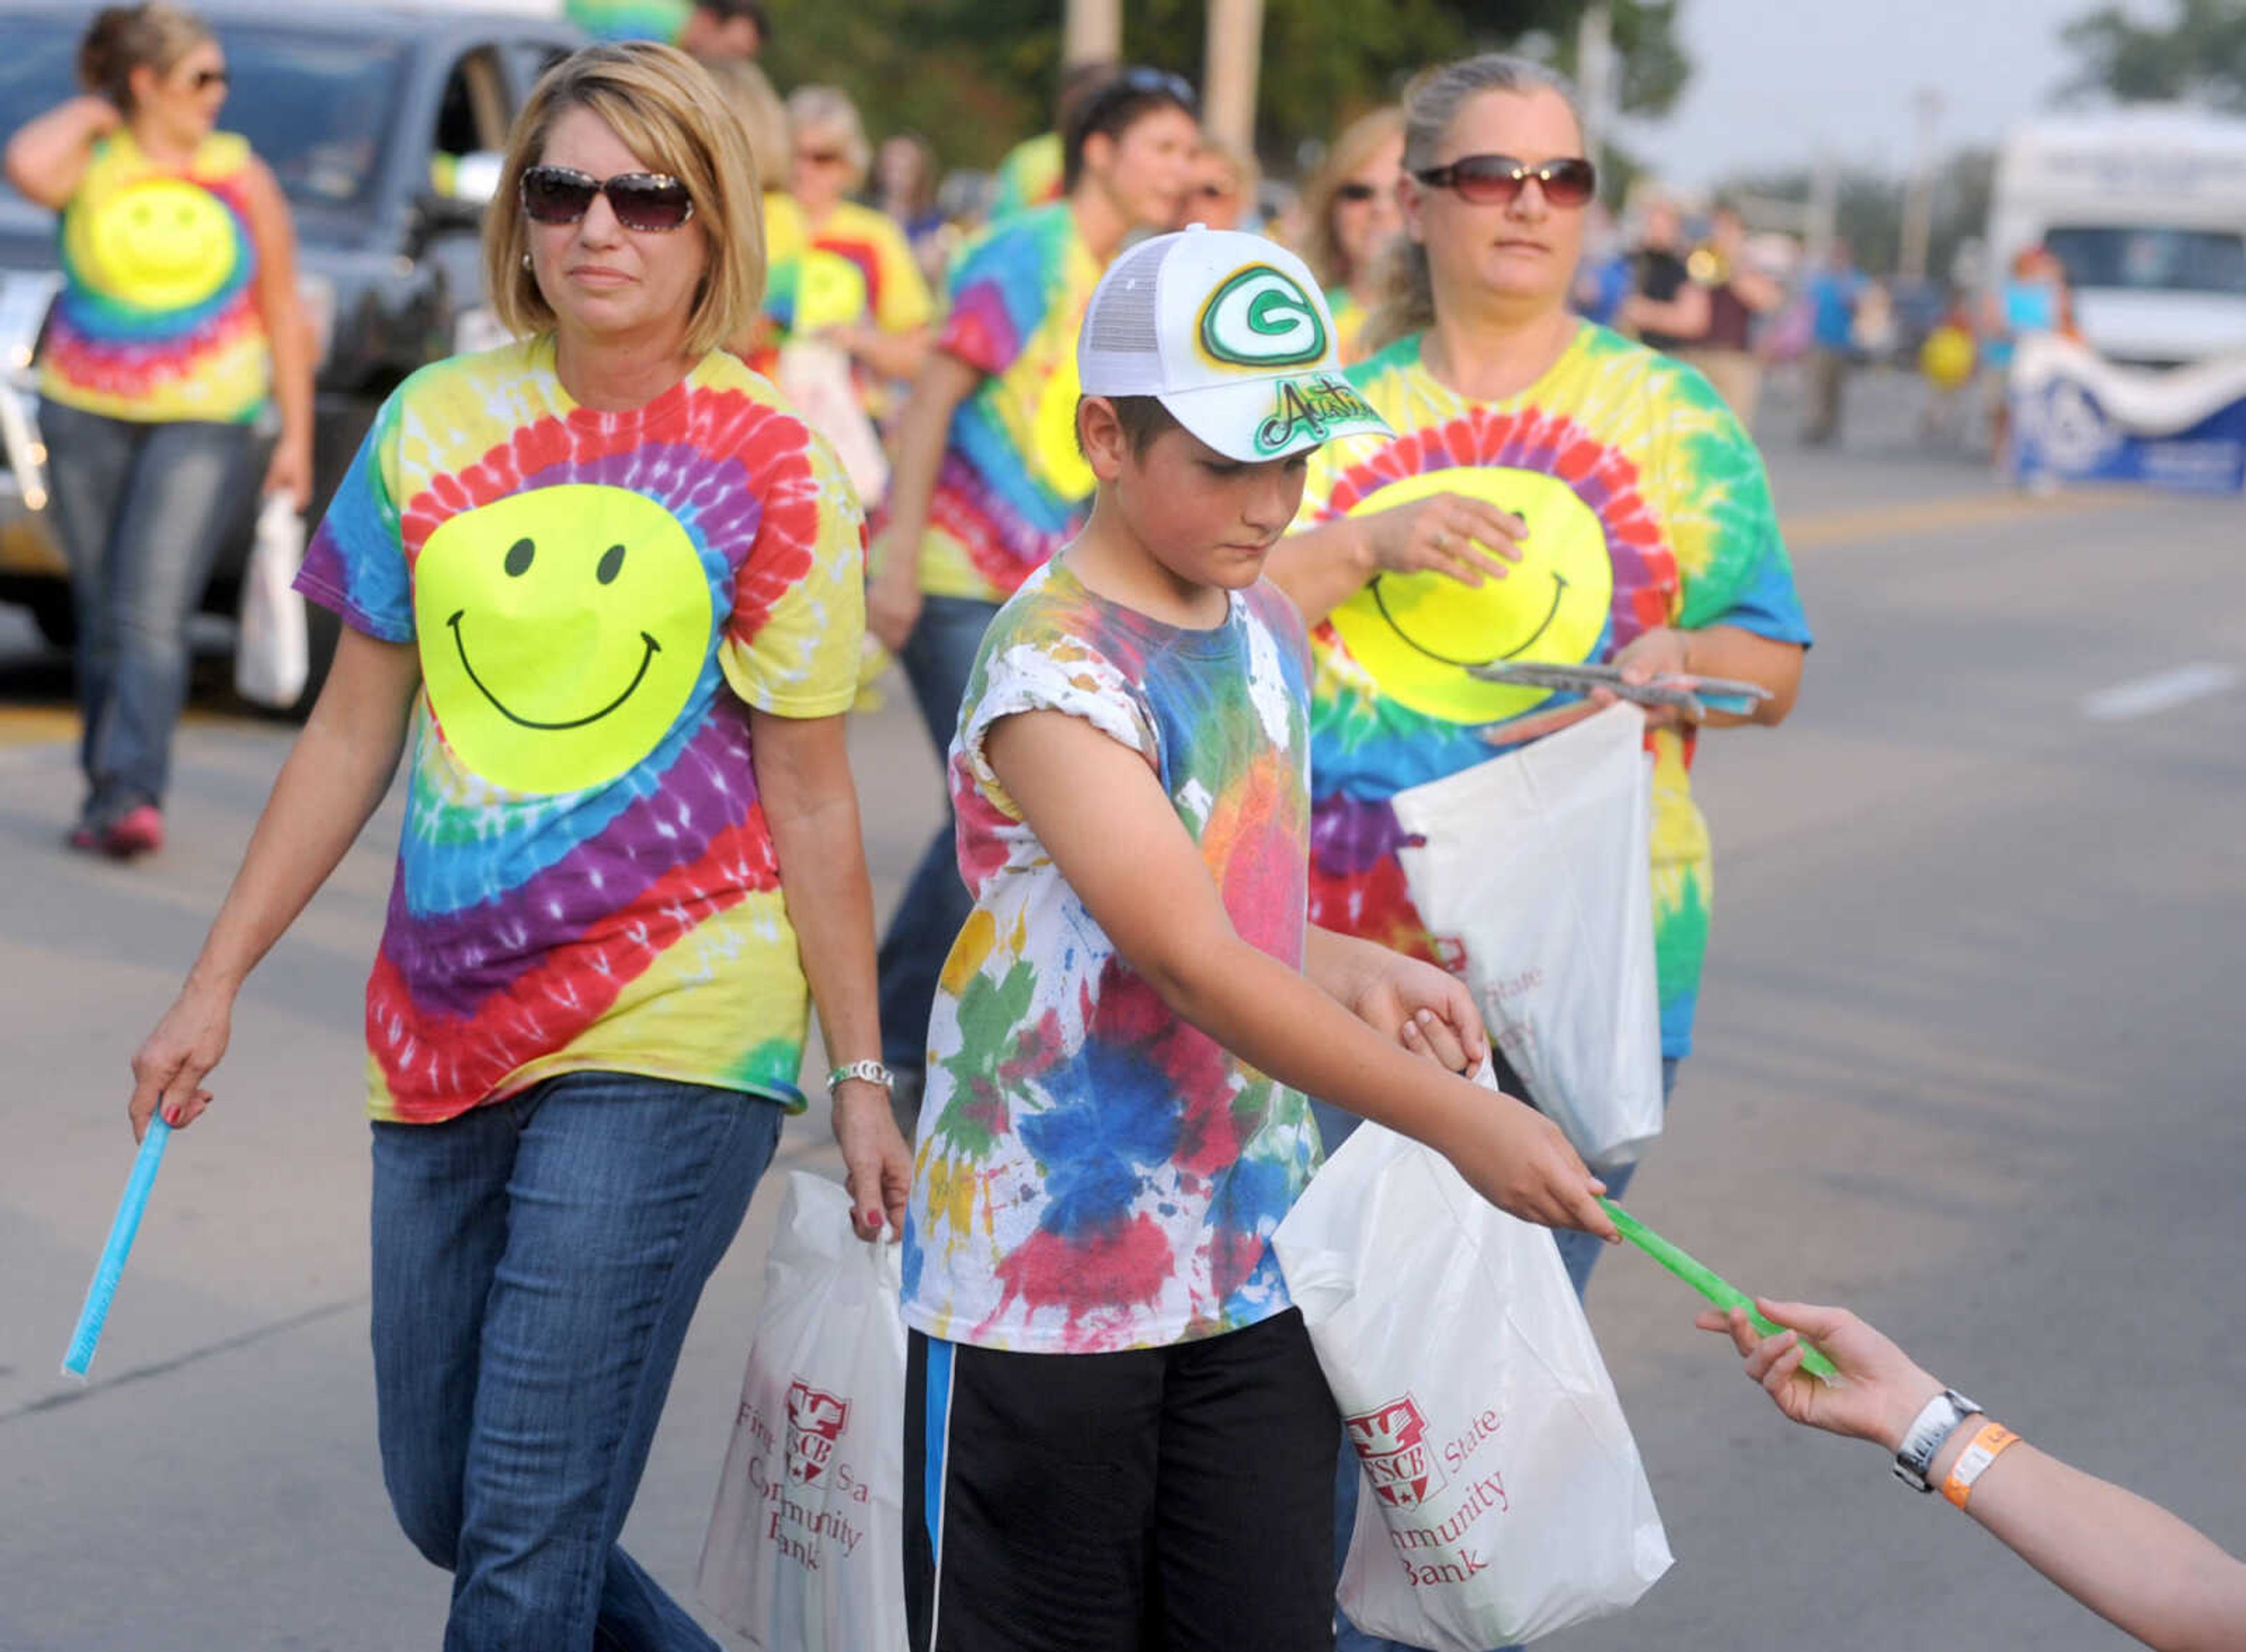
[(2163, 691), (36, 724), (1817, 529)]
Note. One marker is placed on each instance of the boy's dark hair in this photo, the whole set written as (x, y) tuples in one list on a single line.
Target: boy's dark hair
[(1119, 104), (1143, 419)]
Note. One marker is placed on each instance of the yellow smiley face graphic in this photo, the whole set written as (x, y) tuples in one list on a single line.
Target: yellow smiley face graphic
[(1054, 455), (830, 291), (1417, 633), (161, 244), (562, 632)]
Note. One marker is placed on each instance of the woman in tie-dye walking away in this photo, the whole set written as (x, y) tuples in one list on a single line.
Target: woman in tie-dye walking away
[(606, 591), (177, 324)]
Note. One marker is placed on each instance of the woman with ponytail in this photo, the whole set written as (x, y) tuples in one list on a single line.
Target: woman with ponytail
[(178, 322), (1554, 493)]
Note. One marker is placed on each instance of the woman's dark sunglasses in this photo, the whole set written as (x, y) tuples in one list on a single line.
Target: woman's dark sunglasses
[(1494, 180), (1357, 193), (643, 201)]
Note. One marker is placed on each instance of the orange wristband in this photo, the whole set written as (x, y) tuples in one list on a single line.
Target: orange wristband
[(1987, 1447)]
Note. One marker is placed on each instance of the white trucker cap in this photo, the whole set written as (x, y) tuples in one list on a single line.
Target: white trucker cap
[(1230, 333)]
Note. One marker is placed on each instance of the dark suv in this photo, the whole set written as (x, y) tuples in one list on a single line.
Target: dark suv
[(381, 124)]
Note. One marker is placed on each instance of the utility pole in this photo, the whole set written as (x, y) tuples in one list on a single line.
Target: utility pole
[(1092, 32), (1229, 71), (1594, 75), (1918, 194)]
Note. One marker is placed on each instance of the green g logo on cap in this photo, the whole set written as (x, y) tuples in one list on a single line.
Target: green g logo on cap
[(1262, 318)]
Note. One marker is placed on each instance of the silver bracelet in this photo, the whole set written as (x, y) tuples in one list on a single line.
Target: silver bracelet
[(872, 1072)]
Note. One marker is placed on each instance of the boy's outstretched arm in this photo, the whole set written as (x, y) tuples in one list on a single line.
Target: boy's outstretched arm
[(1101, 814)]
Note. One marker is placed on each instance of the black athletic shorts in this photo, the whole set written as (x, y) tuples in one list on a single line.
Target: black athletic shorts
[(1162, 1499)]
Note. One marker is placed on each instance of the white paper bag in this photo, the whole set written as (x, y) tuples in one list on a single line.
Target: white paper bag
[(271, 652), (806, 1550), (1536, 867), (1502, 1497)]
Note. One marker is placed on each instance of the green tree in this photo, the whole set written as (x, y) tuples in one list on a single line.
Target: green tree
[(977, 75), (2198, 54)]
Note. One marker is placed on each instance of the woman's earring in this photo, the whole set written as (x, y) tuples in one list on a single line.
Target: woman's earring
[(525, 260)]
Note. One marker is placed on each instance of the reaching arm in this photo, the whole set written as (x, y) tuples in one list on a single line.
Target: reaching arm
[(810, 805), (46, 158), (288, 333), (336, 775), (1102, 815), (1684, 316), (893, 600), (901, 354), (2129, 1560)]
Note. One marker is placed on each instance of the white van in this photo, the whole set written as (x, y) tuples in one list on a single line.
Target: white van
[(2145, 206)]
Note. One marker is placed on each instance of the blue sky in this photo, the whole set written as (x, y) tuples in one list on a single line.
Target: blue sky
[(1775, 80)]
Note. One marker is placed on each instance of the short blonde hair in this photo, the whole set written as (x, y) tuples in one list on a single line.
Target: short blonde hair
[(665, 108), (830, 109)]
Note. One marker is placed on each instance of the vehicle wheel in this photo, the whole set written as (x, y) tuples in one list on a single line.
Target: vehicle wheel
[(52, 612)]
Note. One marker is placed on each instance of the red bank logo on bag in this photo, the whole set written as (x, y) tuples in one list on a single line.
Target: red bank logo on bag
[(1392, 1443), (815, 1421)]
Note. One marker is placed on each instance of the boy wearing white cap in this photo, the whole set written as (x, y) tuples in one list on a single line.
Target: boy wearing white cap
[(1114, 1422)]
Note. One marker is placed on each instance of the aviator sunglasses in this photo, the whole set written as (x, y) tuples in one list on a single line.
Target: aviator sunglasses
[(642, 200), (1495, 181)]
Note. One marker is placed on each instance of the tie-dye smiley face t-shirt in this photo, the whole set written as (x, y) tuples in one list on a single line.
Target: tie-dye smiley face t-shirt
[(1093, 1174), (1647, 505), (585, 880), (158, 316)]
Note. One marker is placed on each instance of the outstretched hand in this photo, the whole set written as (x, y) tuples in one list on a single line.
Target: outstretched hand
[(1881, 1391)]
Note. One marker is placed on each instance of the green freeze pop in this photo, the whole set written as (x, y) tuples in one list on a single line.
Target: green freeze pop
[(1711, 1285)]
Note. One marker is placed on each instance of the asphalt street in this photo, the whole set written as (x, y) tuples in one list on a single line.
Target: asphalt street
[(1971, 1059)]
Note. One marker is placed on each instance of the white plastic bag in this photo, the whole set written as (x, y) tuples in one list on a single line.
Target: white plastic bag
[(815, 378), (806, 1550), (1536, 867), (271, 656), (1502, 1497)]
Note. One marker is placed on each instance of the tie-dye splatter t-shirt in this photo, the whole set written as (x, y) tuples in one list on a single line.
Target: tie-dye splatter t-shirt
[(1647, 505), (1093, 1174), (158, 316), (1013, 488), (585, 880)]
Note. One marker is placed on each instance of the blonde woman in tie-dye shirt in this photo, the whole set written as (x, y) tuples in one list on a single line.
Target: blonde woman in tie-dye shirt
[(610, 591), (1555, 492), (177, 324)]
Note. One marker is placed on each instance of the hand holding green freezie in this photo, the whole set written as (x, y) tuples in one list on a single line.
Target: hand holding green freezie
[(1711, 1285)]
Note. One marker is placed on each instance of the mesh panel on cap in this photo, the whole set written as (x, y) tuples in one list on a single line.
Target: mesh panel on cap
[(1121, 353)]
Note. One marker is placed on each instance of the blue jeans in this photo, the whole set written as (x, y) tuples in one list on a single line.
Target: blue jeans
[(938, 658), (537, 1263), (1579, 1251), (141, 509)]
